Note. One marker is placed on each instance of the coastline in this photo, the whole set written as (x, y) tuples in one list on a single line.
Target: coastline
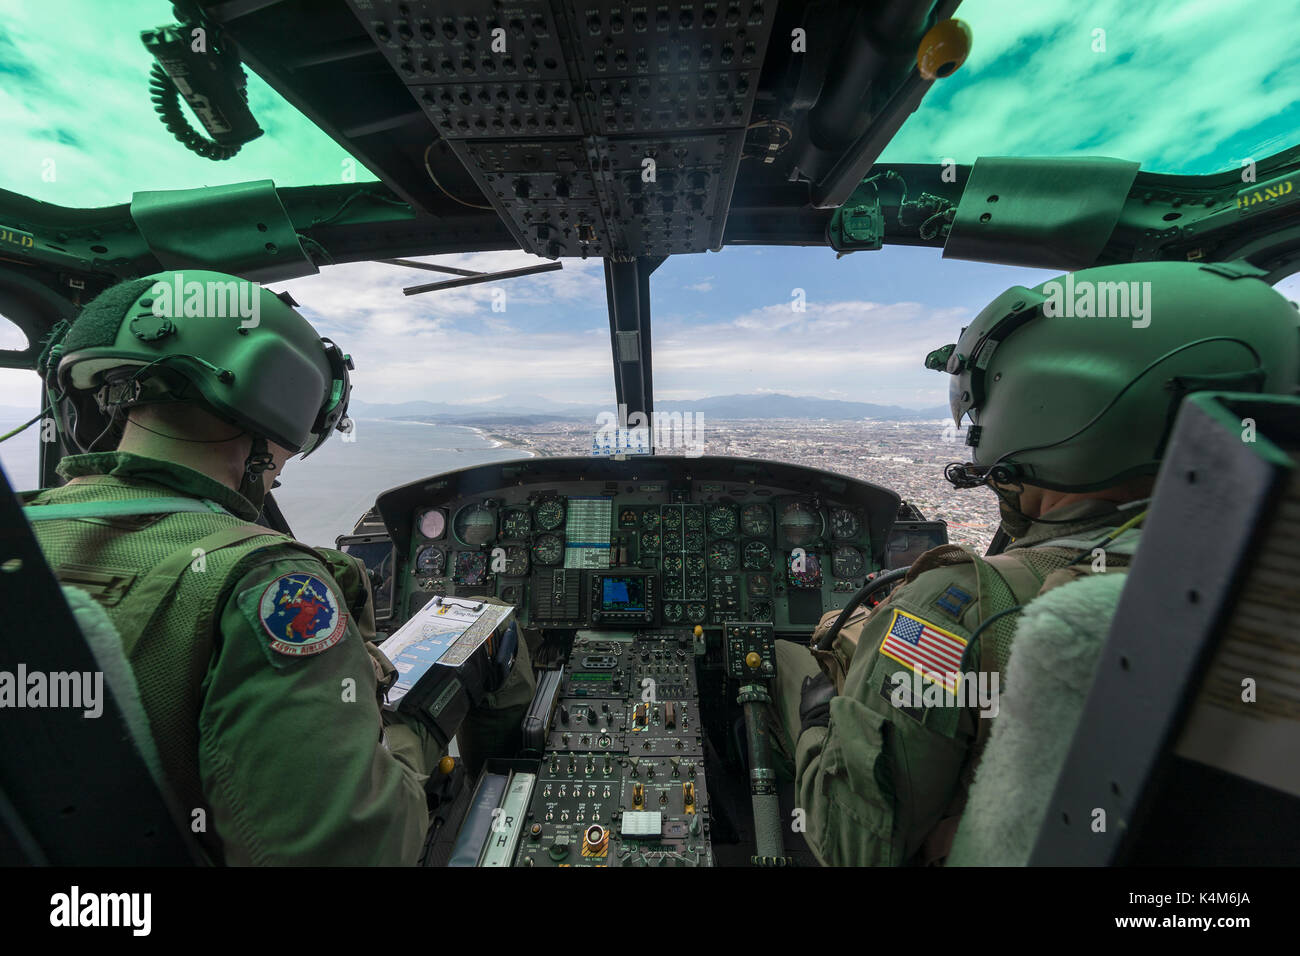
[(491, 439), (495, 441)]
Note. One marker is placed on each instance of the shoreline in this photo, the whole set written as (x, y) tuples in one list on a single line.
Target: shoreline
[(491, 440)]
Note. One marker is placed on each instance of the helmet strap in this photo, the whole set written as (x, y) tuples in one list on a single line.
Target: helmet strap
[(259, 460), (1014, 521)]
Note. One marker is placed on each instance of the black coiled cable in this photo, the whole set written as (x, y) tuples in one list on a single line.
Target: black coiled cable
[(166, 103)]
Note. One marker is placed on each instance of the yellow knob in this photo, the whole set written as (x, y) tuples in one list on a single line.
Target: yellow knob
[(446, 765), (698, 630), (753, 660), (943, 49)]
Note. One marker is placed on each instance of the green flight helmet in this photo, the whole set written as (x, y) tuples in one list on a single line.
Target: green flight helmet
[(1074, 385), (226, 344)]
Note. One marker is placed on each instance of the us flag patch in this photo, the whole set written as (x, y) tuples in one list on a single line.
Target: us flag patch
[(927, 650)]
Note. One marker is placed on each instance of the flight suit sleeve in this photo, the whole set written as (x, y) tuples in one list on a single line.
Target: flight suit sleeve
[(293, 757), (873, 783)]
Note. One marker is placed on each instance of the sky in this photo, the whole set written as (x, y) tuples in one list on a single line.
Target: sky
[(1181, 85)]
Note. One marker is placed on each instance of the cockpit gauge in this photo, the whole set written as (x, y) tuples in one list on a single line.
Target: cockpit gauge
[(696, 613), (724, 556), (627, 518), (548, 550), (650, 520), (756, 521), (695, 565), (694, 540), (516, 524), (694, 518), (550, 514), (672, 564), (673, 613), (516, 561), (844, 524), (847, 562), (672, 519), (433, 523), (471, 568), (649, 542), (801, 524), (759, 585), (758, 556), (672, 541), (805, 569), (760, 610), (475, 525), (722, 521), (431, 561)]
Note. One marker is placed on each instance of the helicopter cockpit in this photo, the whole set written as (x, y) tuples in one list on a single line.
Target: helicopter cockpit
[(289, 138)]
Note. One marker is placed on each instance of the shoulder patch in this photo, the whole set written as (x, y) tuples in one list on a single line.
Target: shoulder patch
[(301, 615), (924, 649), (953, 601)]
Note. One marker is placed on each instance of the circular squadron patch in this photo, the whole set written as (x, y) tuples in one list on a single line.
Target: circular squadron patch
[(301, 614)]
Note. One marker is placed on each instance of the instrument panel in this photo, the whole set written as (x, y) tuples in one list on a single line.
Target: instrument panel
[(648, 542)]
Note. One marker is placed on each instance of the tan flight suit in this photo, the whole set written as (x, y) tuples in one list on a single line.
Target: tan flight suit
[(267, 721), (884, 784)]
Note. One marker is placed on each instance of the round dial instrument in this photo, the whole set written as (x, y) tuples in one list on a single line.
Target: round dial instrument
[(672, 613), (759, 585), (847, 562), (695, 519), (722, 521), (516, 561), (760, 610), (724, 556), (475, 525), (672, 563), (758, 556), (756, 520), (548, 549), (650, 520), (696, 613), (672, 519), (516, 524), (694, 540), (672, 541), (431, 561), (433, 523), (801, 523), (649, 541), (844, 523), (550, 514)]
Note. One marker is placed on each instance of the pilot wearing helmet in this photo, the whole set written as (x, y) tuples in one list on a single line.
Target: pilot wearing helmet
[(262, 694), (1070, 411)]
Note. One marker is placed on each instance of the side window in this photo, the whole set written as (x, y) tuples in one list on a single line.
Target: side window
[(1290, 287), (20, 394)]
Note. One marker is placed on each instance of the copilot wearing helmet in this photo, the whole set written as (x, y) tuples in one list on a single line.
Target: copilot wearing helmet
[(186, 393), (1072, 389)]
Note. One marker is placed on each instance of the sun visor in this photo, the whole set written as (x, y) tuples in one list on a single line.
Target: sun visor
[(1044, 213), (241, 229)]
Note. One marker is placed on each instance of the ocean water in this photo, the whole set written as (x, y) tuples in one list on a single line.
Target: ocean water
[(323, 495)]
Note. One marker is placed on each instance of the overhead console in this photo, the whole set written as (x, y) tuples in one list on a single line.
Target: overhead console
[(648, 542)]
